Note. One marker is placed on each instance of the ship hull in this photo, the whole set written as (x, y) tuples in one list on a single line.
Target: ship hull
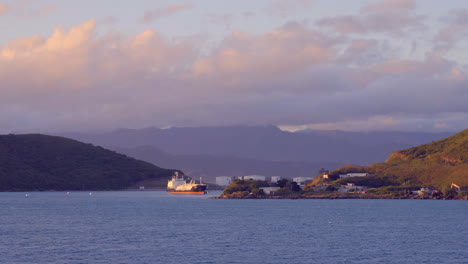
[(187, 192)]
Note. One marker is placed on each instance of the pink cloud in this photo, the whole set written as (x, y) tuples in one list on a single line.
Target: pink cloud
[(248, 14), (454, 31), (363, 52), (282, 50), (75, 76), (110, 20), (77, 57), (362, 45), (386, 5), (433, 67), (389, 16), (43, 11), (30, 8), (345, 24), (220, 19), (288, 6), (3, 8), (151, 15), (291, 75), (64, 52), (392, 23)]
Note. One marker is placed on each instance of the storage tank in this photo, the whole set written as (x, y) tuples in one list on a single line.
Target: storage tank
[(223, 180)]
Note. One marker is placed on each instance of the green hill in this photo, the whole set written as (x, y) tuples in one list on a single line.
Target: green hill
[(40, 162), (437, 164)]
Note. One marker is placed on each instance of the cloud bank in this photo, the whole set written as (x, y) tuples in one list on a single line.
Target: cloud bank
[(295, 76), (154, 14), (3, 8)]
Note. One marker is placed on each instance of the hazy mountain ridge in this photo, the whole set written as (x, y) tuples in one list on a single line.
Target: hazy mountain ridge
[(41, 162), (266, 143), (210, 166)]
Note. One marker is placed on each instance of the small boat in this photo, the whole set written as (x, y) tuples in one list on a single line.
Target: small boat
[(179, 185)]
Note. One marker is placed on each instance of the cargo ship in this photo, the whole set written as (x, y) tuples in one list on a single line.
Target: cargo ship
[(180, 185)]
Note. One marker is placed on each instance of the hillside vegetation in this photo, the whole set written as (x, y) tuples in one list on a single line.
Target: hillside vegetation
[(40, 162), (437, 164)]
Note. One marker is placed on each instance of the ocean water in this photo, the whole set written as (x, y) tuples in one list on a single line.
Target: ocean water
[(157, 227)]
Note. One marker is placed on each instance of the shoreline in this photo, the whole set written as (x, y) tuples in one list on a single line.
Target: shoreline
[(336, 197)]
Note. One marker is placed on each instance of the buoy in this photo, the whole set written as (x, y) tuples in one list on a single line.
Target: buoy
[(68, 193), (90, 193), (26, 195)]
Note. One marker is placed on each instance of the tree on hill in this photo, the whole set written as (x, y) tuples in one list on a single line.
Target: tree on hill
[(248, 186)]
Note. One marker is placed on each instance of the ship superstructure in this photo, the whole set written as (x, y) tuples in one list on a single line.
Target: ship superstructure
[(178, 184)]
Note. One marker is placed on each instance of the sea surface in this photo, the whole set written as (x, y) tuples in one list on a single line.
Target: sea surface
[(157, 227)]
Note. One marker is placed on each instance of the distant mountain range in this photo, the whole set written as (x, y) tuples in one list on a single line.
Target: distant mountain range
[(209, 166), (39, 162), (212, 151)]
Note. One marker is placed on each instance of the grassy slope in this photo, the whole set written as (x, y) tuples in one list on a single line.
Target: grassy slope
[(438, 163), (40, 162)]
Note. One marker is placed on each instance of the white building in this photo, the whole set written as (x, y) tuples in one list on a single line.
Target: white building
[(351, 187), (275, 179), (325, 176), (425, 190), (254, 177), (223, 180), (354, 175), (269, 190), (300, 180)]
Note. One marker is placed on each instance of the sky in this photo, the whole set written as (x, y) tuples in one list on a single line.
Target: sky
[(354, 65)]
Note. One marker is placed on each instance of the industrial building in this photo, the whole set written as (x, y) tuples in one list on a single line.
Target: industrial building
[(300, 180), (223, 180), (269, 190), (353, 175), (254, 177), (275, 179)]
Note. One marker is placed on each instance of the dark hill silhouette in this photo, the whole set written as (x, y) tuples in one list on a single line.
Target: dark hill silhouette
[(40, 162)]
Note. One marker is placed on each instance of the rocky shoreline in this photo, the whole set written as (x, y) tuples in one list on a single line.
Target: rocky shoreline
[(336, 196)]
